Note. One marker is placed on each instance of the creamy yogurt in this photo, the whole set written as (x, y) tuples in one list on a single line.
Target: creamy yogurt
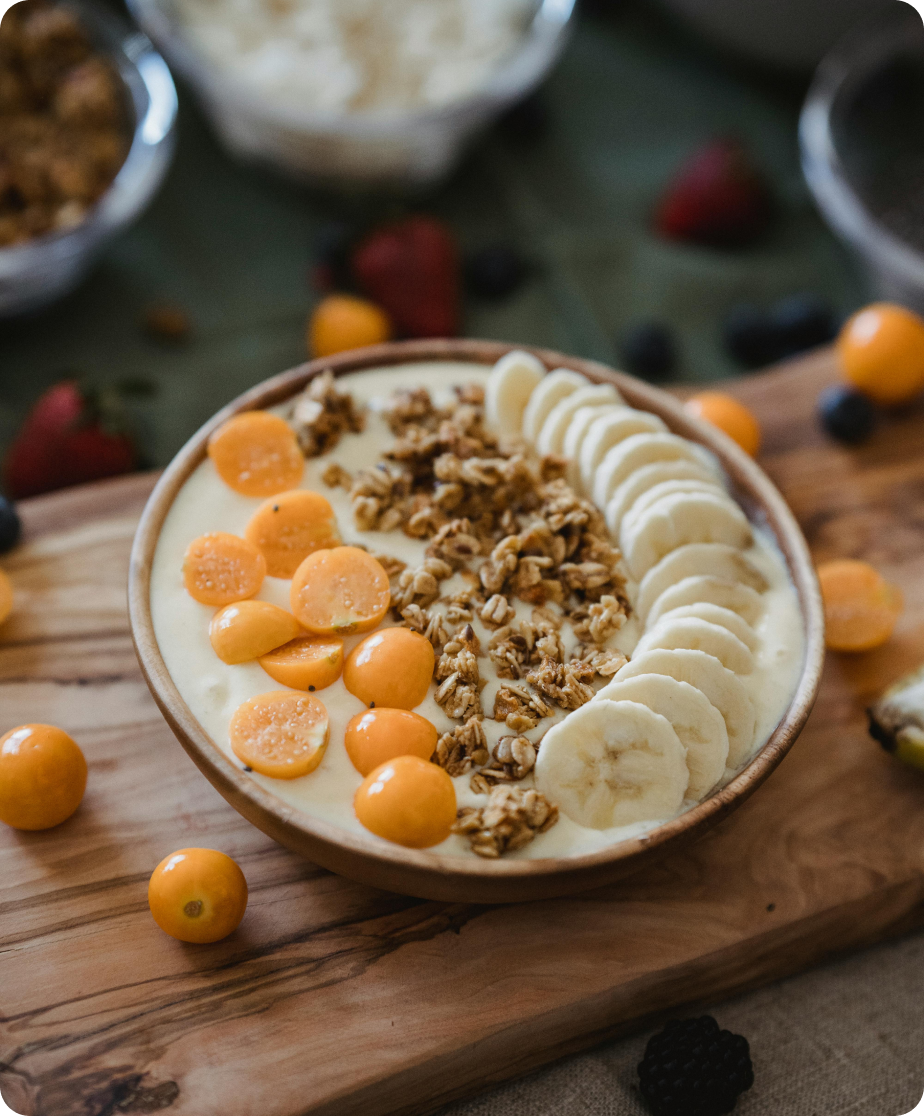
[(213, 690)]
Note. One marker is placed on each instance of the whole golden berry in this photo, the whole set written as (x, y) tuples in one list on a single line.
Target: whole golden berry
[(43, 775), (881, 350), (730, 416), (197, 895), (340, 322)]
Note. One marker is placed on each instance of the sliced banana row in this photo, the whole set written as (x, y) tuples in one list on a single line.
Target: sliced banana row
[(673, 720)]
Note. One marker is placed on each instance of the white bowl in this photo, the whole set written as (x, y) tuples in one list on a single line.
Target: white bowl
[(367, 149), (44, 269)]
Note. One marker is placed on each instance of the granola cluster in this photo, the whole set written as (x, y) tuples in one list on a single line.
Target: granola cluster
[(512, 818), (319, 416), (64, 130)]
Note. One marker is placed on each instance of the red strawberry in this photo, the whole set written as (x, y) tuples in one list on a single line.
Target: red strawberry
[(411, 269), (68, 438), (718, 198)]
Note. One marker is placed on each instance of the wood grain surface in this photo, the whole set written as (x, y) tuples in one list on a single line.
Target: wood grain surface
[(334, 999)]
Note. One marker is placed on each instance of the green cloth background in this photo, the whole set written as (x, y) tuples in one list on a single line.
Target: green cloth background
[(232, 245)]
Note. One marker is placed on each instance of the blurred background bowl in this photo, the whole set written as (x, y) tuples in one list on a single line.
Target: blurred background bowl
[(862, 138), (358, 148), (42, 270), (791, 33)]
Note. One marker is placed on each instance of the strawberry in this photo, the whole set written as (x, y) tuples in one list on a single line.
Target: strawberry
[(411, 269), (718, 199), (69, 437)]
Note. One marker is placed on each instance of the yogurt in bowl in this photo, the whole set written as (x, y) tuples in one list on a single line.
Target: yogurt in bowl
[(617, 649)]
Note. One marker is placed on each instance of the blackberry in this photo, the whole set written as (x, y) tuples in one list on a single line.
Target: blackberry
[(693, 1069), (648, 350), (846, 414), (495, 272), (9, 526)]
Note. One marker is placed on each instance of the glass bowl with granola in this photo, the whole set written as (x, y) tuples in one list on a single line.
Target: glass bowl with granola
[(87, 112)]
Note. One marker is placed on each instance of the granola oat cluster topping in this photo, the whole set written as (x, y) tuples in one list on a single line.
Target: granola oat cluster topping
[(319, 416), (64, 129), (511, 819), (509, 524)]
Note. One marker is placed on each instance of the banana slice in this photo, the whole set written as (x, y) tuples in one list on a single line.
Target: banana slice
[(715, 614), (577, 431), (613, 763), (609, 431), (723, 688), (552, 435), (716, 559), (644, 449), (699, 635), (623, 499), (722, 591), (669, 488), (698, 724), (553, 389), (674, 521), (512, 381)]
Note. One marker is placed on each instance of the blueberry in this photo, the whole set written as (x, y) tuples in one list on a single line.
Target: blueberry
[(648, 349), (751, 336), (846, 414), (803, 321), (495, 272), (9, 526)]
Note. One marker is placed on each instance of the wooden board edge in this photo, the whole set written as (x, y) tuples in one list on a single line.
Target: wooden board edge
[(778, 953)]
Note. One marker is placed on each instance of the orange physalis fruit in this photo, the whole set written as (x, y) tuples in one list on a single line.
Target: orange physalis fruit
[(197, 895), (392, 667), (257, 454), (409, 801), (42, 777), (377, 735), (288, 527), (340, 591), (306, 663), (730, 416), (282, 734), (6, 596), (340, 322), (219, 569), (861, 607), (881, 350), (245, 630)]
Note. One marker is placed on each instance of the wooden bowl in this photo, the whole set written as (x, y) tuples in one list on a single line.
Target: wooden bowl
[(469, 879)]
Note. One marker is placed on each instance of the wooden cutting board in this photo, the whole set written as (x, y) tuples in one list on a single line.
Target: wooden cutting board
[(334, 999)]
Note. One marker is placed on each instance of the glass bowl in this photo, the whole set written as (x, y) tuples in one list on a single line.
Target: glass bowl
[(44, 269), (362, 149), (863, 150)]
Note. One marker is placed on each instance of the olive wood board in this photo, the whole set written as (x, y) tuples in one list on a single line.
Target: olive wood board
[(334, 999)]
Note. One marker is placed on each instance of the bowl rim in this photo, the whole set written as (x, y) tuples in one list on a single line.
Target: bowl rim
[(513, 77), (275, 816)]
